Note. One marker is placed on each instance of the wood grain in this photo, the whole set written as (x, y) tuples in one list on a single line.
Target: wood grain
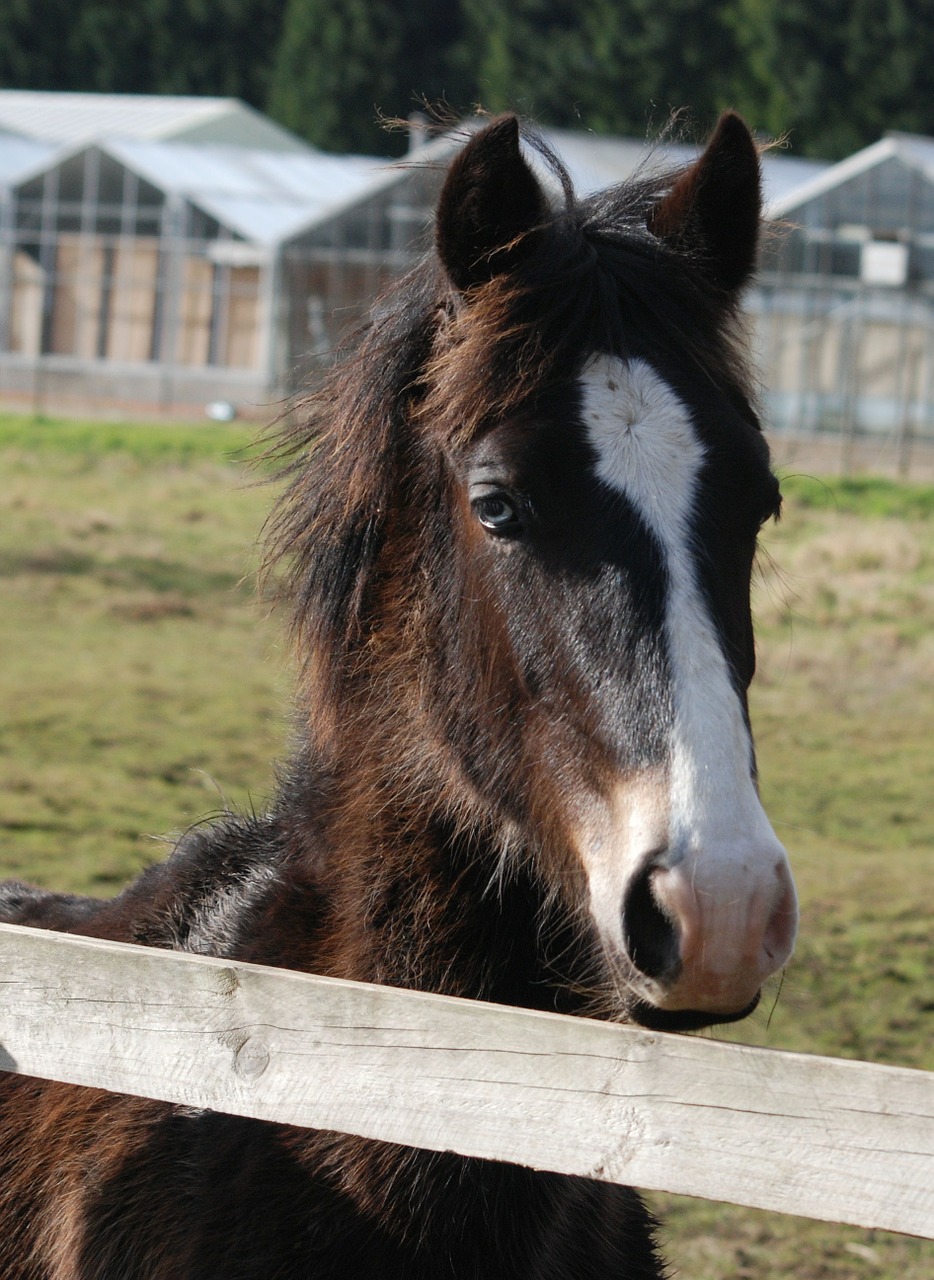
[(824, 1138)]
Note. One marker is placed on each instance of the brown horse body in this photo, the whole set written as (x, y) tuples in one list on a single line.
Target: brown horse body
[(519, 531)]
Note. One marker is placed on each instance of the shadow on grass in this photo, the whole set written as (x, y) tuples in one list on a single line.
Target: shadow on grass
[(126, 572)]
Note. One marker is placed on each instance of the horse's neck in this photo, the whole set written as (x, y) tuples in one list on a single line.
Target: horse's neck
[(413, 900), (416, 900)]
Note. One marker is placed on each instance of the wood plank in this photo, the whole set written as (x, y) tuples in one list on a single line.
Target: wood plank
[(823, 1138), (26, 308), (241, 349), (133, 299), (196, 307)]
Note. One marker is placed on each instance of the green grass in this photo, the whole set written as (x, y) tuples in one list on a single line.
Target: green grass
[(866, 496), (143, 685), (141, 682), (145, 441)]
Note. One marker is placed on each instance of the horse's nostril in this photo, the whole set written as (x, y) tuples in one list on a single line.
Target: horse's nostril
[(649, 936)]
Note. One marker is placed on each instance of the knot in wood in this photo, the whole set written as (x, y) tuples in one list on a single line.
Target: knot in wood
[(251, 1059)]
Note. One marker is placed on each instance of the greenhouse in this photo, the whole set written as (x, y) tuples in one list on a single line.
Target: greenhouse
[(845, 305), (163, 254), (170, 274)]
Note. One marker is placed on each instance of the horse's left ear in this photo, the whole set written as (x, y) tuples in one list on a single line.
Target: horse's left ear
[(490, 204), (714, 208)]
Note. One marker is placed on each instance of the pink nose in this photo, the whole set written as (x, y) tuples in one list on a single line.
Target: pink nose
[(711, 931)]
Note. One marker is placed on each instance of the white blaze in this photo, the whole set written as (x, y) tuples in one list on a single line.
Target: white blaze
[(711, 819)]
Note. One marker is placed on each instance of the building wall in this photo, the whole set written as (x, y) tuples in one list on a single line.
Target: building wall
[(103, 273), (844, 310), (849, 360)]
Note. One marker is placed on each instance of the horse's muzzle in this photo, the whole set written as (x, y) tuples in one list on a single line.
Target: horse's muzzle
[(704, 934)]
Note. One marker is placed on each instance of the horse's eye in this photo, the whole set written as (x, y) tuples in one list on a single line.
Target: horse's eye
[(498, 513)]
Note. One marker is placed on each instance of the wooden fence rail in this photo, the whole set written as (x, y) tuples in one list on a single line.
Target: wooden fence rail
[(823, 1138)]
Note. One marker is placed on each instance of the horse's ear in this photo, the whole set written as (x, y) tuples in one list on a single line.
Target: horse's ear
[(714, 208), (490, 204)]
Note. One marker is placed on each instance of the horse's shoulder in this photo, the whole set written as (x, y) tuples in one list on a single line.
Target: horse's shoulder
[(206, 894)]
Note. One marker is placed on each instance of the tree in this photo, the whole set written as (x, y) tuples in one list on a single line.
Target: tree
[(342, 64), (618, 66), (835, 74), (853, 69), (527, 55), (215, 47), (34, 54)]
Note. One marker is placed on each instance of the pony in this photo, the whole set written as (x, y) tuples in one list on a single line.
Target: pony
[(517, 532)]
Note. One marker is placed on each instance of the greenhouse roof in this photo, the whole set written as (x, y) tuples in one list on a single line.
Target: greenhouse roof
[(261, 196), (20, 156), (913, 150), (73, 119), (69, 119), (596, 161), (268, 196), (264, 196)]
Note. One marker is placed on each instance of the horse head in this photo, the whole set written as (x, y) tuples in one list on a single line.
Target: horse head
[(529, 542)]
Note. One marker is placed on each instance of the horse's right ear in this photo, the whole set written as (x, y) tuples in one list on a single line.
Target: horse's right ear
[(714, 208), (490, 205)]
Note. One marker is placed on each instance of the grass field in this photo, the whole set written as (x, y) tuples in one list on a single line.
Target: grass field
[(143, 685)]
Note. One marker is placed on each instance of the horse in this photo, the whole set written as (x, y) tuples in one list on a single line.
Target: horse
[(517, 530)]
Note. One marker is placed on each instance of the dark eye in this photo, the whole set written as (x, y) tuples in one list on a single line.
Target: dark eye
[(498, 513)]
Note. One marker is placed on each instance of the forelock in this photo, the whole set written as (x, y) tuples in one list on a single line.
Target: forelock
[(598, 281)]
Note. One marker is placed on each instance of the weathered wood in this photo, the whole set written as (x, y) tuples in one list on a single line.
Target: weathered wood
[(823, 1138)]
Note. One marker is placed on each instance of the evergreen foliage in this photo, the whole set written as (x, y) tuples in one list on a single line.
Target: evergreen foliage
[(342, 66), (833, 74), (222, 48)]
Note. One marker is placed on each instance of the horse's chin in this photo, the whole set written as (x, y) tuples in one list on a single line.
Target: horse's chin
[(654, 1019)]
